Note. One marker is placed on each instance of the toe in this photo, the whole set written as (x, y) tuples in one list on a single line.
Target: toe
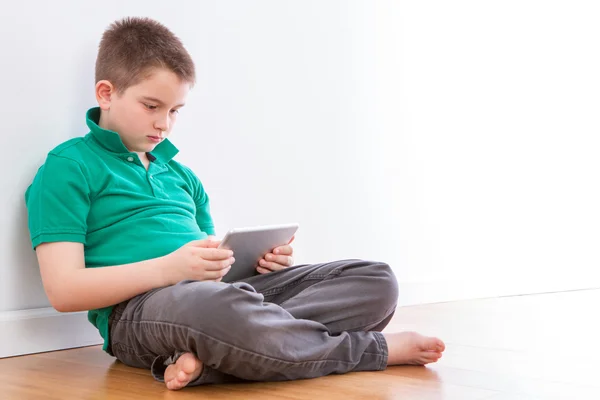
[(424, 360), (432, 344), (432, 357), (440, 346), (176, 380), (429, 344), (186, 368), (171, 385)]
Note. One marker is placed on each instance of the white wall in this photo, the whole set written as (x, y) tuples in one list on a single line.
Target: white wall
[(455, 140), (493, 177)]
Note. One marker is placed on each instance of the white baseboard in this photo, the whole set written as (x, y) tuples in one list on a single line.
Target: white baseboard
[(44, 329), (427, 292)]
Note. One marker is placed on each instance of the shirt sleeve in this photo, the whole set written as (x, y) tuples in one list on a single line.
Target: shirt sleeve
[(203, 217), (58, 202)]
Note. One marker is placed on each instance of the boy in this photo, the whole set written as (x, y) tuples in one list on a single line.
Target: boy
[(123, 230)]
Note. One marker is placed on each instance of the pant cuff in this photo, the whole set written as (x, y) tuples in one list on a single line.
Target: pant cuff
[(384, 350)]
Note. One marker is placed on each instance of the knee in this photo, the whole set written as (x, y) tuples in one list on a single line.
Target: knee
[(385, 285), (378, 280)]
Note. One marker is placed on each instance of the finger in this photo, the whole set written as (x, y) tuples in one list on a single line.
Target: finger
[(271, 265), (218, 265), (286, 250), (205, 243), (292, 239), (215, 254), (213, 243), (283, 260), (213, 275), (196, 243), (262, 270)]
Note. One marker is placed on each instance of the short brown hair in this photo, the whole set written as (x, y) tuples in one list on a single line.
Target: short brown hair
[(132, 46)]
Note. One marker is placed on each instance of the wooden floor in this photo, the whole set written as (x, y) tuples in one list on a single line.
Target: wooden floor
[(523, 347)]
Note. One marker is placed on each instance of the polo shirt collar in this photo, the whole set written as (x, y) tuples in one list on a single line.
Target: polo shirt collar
[(111, 141)]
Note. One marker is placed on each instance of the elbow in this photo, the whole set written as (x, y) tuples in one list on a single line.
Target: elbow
[(65, 307), (60, 303), (61, 307)]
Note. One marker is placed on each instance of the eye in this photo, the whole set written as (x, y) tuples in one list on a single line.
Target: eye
[(149, 106), (174, 111)]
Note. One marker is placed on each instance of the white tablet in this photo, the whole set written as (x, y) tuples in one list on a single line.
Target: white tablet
[(249, 245)]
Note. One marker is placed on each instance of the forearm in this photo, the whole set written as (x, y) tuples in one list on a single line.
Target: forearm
[(92, 288)]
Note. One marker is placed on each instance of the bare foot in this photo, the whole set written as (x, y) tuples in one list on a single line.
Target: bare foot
[(186, 369), (413, 348)]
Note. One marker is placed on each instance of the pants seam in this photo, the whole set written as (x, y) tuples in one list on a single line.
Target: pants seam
[(180, 326), (281, 289)]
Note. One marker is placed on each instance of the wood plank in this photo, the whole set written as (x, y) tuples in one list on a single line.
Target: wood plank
[(535, 347)]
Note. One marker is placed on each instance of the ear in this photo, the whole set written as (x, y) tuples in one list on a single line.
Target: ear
[(104, 92)]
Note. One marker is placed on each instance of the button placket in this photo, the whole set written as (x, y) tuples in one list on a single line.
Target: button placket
[(152, 181)]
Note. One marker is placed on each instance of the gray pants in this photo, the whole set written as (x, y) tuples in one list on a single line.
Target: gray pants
[(302, 322)]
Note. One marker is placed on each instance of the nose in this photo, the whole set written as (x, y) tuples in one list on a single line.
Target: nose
[(162, 123)]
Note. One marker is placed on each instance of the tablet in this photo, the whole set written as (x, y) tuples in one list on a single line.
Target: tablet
[(249, 245)]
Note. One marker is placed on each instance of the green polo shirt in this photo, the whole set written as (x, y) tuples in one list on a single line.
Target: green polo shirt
[(92, 190)]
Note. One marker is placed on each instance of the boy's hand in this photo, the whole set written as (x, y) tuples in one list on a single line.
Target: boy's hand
[(198, 260), (280, 258)]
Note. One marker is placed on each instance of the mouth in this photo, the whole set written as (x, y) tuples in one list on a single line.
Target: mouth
[(155, 139)]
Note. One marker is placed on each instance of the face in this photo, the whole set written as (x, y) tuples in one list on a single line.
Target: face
[(144, 114)]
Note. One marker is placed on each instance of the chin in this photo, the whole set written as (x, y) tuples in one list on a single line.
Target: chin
[(150, 146)]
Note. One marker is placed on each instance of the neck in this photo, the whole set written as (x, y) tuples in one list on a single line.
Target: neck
[(102, 122), (144, 159)]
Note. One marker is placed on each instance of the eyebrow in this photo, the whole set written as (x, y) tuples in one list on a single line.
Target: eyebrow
[(155, 100)]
